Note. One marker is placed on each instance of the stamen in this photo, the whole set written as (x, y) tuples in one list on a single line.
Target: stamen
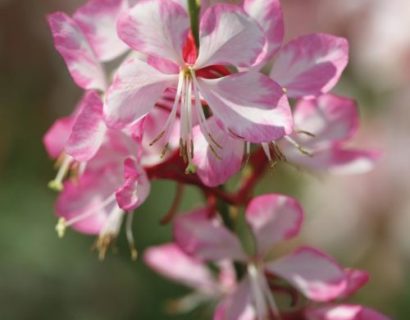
[(298, 146), (309, 134), (130, 237), (57, 183)]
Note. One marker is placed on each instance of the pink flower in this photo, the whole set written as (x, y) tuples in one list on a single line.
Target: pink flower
[(272, 218), (344, 312), (112, 184), (323, 127), (246, 104)]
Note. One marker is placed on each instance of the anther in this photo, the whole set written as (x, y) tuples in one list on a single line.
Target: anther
[(61, 227)]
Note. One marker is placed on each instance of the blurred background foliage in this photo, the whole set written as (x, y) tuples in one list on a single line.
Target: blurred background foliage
[(363, 221)]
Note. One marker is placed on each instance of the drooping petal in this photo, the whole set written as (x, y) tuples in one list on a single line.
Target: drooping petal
[(98, 21), (329, 118), (56, 137), (171, 262), (87, 199), (228, 36), (206, 238), (268, 14), (236, 305), (135, 188), (80, 59), (336, 159), (136, 88), (249, 105), (356, 279), (156, 27), (311, 64), (216, 166), (314, 273), (89, 129), (273, 218), (344, 312)]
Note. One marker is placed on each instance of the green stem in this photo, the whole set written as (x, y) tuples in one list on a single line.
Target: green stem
[(193, 7)]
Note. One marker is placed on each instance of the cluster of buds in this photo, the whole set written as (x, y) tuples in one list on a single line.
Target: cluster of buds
[(194, 93)]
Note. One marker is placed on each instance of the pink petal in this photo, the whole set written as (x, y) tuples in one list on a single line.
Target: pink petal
[(136, 88), (344, 312), (329, 118), (89, 129), (136, 187), (311, 64), (156, 27), (81, 60), (315, 274), (273, 218), (214, 171), (249, 105), (86, 197), (228, 36), (236, 305), (206, 238), (356, 279), (56, 137), (268, 14), (171, 262), (98, 20)]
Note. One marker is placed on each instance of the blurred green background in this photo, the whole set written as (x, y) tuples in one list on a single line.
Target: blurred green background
[(43, 277)]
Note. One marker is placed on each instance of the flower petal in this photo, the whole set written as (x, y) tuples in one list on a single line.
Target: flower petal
[(311, 64), (344, 312), (215, 169), (249, 105), (81, 60), (89, 129), (356, 279), (136, 88), (268, 13), (206, 238), (273, 218), (228, 36), (329, 118), (136, 187), (98, 21), (171, 262), (236, 305), (156, 27), (56, 137), (315, 274)]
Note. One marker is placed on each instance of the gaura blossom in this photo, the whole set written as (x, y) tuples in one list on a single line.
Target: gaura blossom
[(246, 104), (272, 218), (344, 312)]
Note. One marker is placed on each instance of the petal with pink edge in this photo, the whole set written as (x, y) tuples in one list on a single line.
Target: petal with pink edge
[(228, 36), (89, 129), (171, 262), (314, 273), (236, 305), (249, 105), (344, 312), (56, 137), (311, 64), (356, 279), (216, 163), (206, 238), (98, 21), (273, 218), (80, 59), (156, 27), (268, 14), (135, 188), (90, 199), (329, 118), (136, 88)]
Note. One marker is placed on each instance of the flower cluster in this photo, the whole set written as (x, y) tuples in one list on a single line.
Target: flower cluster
[(194, 94)]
